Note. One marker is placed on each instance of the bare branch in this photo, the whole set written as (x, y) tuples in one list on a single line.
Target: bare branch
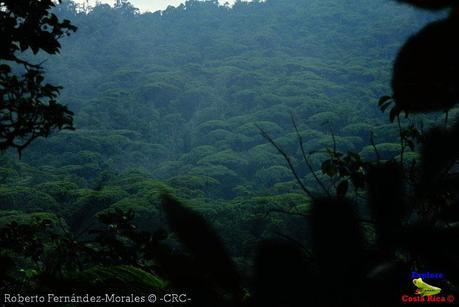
[(402, 142), (372, 140), (287, 159), (305, 158), (294, 241), (332, 130)]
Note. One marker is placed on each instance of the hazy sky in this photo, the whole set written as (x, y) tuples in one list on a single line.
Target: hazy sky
[(148, 5)]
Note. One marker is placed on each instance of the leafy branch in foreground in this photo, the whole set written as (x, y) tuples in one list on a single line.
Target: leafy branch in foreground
[(28, 106)]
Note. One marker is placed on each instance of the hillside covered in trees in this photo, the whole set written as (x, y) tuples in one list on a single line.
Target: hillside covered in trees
[(176, 96), (190, 100)]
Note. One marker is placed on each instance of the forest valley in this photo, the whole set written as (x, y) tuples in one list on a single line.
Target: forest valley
[(265, 153)]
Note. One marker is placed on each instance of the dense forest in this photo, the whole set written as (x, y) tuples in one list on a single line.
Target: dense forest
[(244, 113)]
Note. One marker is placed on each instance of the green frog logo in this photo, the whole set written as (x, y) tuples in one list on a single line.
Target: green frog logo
[(424, 289)]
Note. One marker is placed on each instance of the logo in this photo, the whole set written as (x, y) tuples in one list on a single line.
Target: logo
[(426, 292), (424, 289), (427, 275)]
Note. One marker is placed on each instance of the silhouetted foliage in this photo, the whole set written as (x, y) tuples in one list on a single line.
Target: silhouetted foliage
[(209, 255), (28, 105), (386, 193), (104, 260), (346, 229), (425, 71), (439, 154), (338, 247), (283, 276)]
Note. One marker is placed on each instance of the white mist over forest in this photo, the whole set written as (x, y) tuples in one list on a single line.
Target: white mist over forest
[(148, 5)]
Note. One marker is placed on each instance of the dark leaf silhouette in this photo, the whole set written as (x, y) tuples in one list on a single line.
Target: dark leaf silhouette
[(425, 76), (342, 188), (29, 108), (283, 276), (386, 202), (439, 152), (338, 247), (203, 243)]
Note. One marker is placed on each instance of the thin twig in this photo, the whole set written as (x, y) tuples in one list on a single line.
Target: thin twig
[(287, 159), (402, 143), (296, 242), (305, 158), (333, 138), (25, 63), (372, 140)]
